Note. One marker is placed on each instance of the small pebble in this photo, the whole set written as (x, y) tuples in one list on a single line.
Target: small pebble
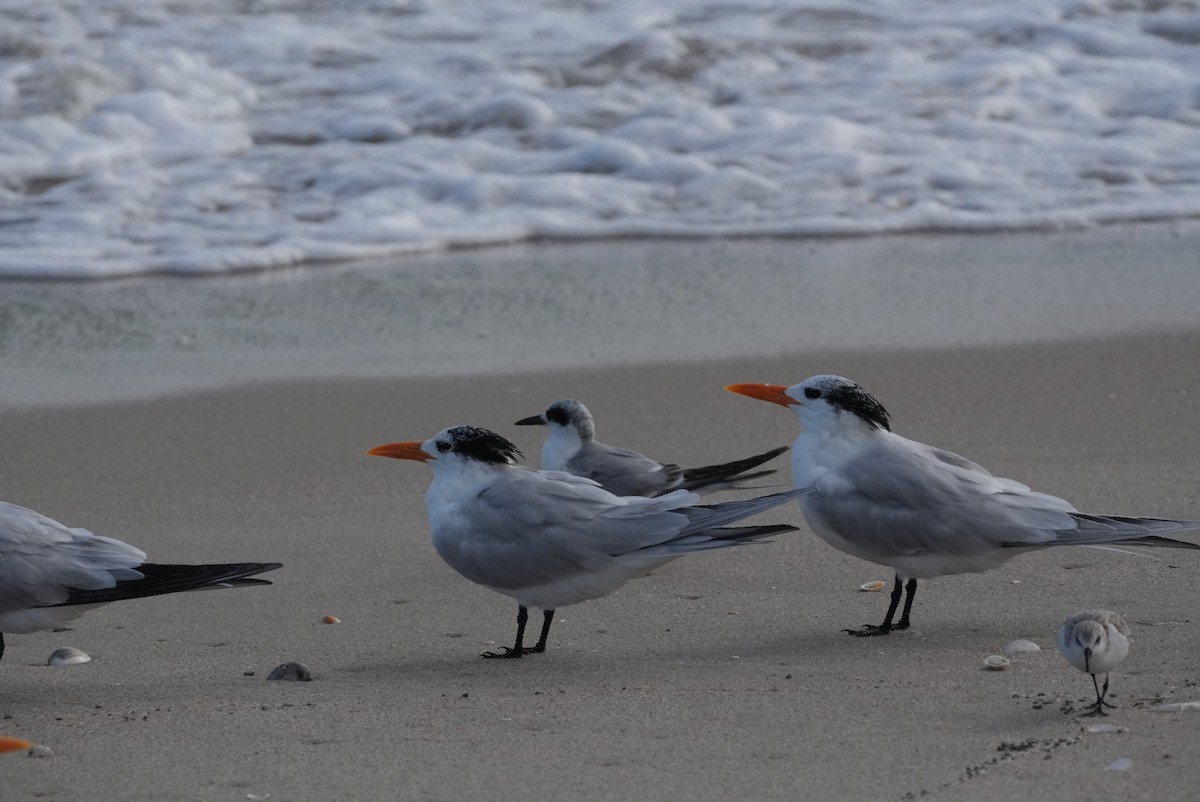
[(872, 586), (295, 672), (995, 662), (1175, 707), (1120, 764), (331, 619), (67, 656), (38, 750), (1021, 645)]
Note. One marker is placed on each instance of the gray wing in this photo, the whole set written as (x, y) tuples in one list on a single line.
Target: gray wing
[(624, 472), (42, 561), (905, 498), (529, 528)]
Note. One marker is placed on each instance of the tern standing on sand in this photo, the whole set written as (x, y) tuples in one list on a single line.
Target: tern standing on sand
[(549, 539), (571, 446), (51, 574), (923, 511), (1095, 642)]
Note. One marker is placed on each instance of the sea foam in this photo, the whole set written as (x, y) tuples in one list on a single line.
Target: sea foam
[(196, 137)]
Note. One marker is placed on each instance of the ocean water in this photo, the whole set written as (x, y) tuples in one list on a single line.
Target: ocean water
[(207, 136)]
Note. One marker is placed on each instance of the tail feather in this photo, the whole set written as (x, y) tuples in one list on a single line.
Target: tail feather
[(1161, 542), (1100, 529), (728, 472), (159, 579), (719, 538), (706, 517)]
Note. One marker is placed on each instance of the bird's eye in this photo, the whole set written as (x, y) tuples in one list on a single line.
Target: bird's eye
[(443, 446), (812, 392)]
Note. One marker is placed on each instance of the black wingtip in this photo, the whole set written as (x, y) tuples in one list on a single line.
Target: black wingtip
[(749, 534), (158, 579), (695, 478)]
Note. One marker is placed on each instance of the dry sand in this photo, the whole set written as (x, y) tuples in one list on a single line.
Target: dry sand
[(722, 676)]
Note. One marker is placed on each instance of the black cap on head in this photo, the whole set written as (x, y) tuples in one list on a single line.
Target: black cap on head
[(475, 442)]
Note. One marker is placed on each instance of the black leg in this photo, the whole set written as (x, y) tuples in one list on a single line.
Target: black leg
[(910, 594), (869, 630), (1104, 692), (1097, 709), (1, 645), (517, 650), (547, 617)]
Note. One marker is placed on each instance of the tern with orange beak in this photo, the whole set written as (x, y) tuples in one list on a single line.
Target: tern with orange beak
[(549, 539), (571, 446), (920, 510), (51, 574)]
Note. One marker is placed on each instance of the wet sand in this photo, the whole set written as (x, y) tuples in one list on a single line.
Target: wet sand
[(721, 676)]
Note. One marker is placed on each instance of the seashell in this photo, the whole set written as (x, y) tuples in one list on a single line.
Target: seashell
[(295, 672), (1103, 728), (1175, 707), (331, 619), (10, 744), (67, 656), (1020, 645), (38, 750), (872, 586), (1120, 764), (995, 662)]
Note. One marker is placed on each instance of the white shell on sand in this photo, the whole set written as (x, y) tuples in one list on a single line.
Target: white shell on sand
[(67, 656), (1103, 728), (1120, 764), (1020, 645), (38, 750), (295, 672), (995, 662), (1175, 707), (872, 586)]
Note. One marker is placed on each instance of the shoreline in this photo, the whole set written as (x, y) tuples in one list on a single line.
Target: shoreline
[(552, 307), (1168, 224)]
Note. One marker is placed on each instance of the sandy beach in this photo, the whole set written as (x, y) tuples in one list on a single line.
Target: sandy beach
[(204, 431)]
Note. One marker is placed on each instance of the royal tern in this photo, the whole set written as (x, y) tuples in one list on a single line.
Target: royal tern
[(51, 573), (571, 446), (923, 511), (549, 539), (1094, 642)]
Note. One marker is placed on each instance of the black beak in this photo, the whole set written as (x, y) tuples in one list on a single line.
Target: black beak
[(1087, 661), (533, 420)]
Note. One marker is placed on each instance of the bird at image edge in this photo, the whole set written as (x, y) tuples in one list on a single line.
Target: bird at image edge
[(920, 510), (51, 574)]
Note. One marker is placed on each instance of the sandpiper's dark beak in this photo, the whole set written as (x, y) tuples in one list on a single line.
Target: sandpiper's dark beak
[(532, 420)]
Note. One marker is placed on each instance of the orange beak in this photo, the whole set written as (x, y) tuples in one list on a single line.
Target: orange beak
[(764, 392), (400, 451), (8, 744)]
